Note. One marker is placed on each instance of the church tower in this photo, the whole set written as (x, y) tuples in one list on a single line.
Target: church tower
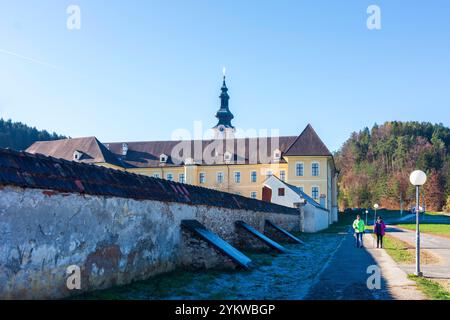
[(224, 128)]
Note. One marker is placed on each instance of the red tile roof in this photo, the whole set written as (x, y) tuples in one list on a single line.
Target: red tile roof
[(27, 170)]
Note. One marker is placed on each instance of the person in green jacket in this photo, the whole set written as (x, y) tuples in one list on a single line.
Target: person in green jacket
[(359, 227)]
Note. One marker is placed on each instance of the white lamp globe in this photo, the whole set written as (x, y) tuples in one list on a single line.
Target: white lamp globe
[(418, 178), (376, 205)]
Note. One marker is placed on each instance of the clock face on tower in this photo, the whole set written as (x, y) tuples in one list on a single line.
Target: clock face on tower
[(221, 128)]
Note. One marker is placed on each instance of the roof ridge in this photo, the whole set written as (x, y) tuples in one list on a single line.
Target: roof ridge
[(190, 140)]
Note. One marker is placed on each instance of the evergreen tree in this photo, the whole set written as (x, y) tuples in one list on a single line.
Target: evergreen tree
[(375, 164), (18, 136)]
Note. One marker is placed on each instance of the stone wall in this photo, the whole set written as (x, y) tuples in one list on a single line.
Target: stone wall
[(113, 240)]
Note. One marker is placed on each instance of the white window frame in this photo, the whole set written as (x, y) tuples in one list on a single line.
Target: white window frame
[(163, 158), (180, 179), (277, 154), (169, 174), (318, 169), (301, 188), (318, 192), (156, 175), (303, 169), (200, 175), (284, 174), (269, 173), (217, 177), (235, 180), (254, 193), (256, 176)]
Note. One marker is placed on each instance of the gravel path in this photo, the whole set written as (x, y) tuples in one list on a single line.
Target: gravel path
[(276, 276)]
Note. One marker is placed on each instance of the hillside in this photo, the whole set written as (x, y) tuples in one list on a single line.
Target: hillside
[(18, 136), (375, 165)]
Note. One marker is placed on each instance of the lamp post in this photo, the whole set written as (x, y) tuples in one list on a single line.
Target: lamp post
[(367, 212), (418, 179), (375, 206)]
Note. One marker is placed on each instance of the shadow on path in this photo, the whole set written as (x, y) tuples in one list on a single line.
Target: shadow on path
[(345, 276)]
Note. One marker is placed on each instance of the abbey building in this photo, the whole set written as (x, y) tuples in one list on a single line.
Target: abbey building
[(240, 167)]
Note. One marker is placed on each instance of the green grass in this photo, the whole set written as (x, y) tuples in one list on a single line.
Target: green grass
[(398, 250), (438, 229), (431, 289), (403, 253)]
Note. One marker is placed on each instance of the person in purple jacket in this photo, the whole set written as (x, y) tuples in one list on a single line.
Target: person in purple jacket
[(379, 229)]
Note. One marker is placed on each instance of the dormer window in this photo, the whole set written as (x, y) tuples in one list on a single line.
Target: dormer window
[(77, 155), (163, 158), (227, 157), (277, 155)]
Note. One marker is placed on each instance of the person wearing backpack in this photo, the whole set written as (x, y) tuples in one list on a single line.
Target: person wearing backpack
[(359, 227)]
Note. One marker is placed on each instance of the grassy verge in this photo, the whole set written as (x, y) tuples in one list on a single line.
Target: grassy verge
[(437, 229), (403, 253), (431, 289)]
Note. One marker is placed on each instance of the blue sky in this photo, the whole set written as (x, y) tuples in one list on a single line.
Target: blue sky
[(138, 70)]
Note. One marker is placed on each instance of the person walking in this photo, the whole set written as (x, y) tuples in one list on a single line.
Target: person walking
[(359, 227), (379, 229)]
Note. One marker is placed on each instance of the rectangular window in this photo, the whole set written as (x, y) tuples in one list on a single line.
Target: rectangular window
[(156, 175), (253, 176), (202, 177), (269, 173), (281, 192), (253, 194), (299, 169), (315, 169), (237, 177), (181, 178), (169, 176), (219, 177), (315, 193), (282, 175), (301, 189)]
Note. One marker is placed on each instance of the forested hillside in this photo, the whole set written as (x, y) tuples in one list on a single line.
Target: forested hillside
[(18, 136), (375, 165)]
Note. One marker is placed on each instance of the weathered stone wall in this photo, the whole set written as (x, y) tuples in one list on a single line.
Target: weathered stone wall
[(113, 240)]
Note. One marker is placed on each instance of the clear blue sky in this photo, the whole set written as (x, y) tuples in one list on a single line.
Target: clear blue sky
[(137, 70)]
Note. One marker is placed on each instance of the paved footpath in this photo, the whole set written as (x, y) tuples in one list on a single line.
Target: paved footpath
[(345, 275), (438, 246)]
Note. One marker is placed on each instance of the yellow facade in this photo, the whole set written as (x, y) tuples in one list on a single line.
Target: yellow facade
[(237, 178)]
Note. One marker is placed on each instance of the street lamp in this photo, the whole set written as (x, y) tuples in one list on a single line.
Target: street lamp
[(367, 212), (417, 179), (375, 206)]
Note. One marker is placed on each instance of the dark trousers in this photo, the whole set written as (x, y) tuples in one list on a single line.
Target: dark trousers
[(379, 241), (359, 239)]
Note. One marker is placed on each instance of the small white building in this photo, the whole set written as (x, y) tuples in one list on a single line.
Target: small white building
[(314, 216)]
